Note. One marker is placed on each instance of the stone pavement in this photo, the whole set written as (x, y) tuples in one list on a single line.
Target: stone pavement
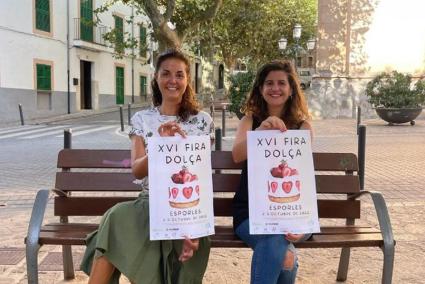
[(395, 159)]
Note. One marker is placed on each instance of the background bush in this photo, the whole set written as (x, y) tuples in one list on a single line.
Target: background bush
[(240, 85)]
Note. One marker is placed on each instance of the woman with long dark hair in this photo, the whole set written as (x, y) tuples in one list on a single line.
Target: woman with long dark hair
[(275, 102), (121, 245)]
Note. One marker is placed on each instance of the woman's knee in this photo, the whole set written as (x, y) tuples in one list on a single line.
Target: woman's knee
[(274, 245), (101, 270), (289, 260)]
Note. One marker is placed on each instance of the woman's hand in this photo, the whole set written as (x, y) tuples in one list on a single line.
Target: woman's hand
[(272, 122), (170, 129), (189, 247), (294, 237)]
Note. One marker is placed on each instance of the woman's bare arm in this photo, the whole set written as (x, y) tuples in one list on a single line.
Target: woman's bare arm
[(307, 126), (239, 150), (139, 159)]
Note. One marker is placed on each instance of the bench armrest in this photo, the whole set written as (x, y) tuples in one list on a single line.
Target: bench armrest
[(381, 213), (37, 216)]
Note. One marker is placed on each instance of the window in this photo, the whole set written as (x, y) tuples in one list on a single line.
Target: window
[(143, 42), (43, 81), (86, 21), (119, 85), (310, 61), (143, 87), (44, 77), (119, 34), (299, 61), (42, 15)]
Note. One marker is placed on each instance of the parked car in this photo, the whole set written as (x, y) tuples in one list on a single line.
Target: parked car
[(305, 78)]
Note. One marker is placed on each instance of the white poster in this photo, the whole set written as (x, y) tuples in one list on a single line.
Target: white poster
[(281, 183), (180, 187)]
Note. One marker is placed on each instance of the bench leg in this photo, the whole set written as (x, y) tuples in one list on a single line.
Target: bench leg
[(344, 261), (32, 263), (31, 243), (68, 265), (387, 273)]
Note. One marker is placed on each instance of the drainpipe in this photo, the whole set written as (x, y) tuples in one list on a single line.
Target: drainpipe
[(67, 58), (132, 55)]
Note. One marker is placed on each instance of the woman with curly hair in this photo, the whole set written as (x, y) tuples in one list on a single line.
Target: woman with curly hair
[(275, 102), (121, 245)]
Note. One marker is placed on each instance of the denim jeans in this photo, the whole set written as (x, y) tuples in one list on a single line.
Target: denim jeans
[(267, 260)]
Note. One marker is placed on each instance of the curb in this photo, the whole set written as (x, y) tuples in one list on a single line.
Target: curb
[(79, 114)]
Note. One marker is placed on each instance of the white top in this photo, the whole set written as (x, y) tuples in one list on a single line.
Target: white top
[(145, 123)]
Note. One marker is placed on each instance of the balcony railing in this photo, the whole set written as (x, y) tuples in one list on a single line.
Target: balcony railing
[(89, 33)]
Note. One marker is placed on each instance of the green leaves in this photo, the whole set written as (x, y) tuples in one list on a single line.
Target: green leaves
[(240, 85), (252, 29), (394, 90)]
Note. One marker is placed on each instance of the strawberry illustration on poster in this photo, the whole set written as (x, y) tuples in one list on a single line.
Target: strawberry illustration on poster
[(281, 183), (180, 187)]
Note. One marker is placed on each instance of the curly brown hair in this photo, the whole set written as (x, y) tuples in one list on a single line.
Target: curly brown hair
[(295, 110), (188, 105)]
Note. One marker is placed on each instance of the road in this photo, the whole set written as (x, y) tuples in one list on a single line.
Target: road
[(28, 153)]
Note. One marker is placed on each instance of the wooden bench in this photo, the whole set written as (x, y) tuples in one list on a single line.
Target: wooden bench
[(94, 171)]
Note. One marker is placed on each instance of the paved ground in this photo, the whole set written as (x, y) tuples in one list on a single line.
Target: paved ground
[(394, 166)]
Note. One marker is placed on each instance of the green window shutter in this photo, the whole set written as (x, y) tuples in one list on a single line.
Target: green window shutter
[(119, 85), (119, 33), (143, 41), (42, 15), (86, 21), (143, 86), (44, 77)]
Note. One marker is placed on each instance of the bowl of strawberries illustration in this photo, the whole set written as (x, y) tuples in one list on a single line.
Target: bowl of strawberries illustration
[(184, 189), (284, 185)]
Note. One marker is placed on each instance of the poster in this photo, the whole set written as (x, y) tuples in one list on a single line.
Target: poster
[(281, 183), (180, 187)]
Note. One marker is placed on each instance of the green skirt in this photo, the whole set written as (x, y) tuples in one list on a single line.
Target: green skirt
[(123, 238)]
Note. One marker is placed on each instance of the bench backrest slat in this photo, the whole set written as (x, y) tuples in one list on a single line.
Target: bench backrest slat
[(105, 181), (96, 206), (85, 206), (81, 158), (327, 208), (89, 181)]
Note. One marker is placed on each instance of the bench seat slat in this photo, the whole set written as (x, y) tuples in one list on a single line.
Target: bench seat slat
[(343, 240), (69, 227), (64, 237), (219, 230), (325, 230), (353, 237), (317, 241)]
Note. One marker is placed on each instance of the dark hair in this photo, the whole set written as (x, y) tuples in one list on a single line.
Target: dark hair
[(188, 105), (295, 110)]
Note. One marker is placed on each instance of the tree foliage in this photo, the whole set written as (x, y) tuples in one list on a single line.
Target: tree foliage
[(228, 30), (252, 29), (184, 15)]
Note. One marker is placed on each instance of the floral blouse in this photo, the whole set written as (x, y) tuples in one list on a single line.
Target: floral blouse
[(145, 123)]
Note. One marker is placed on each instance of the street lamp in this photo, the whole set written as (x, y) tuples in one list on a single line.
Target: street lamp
[(296, 34), (282, 43)]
